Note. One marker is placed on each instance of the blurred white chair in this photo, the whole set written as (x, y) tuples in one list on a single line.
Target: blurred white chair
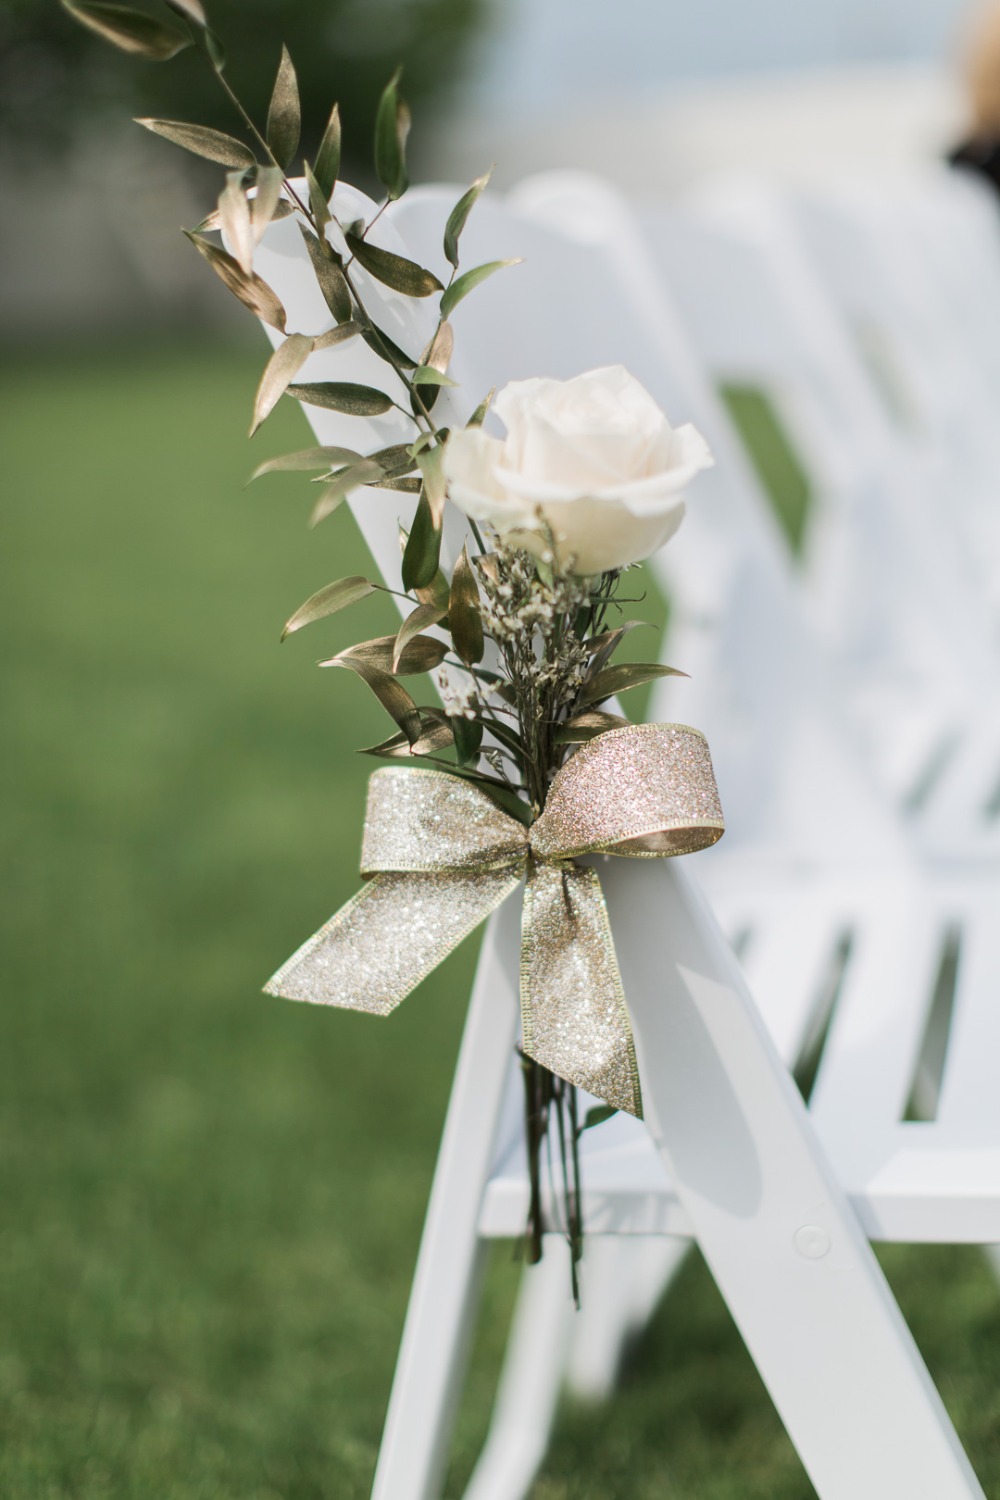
[(727, 1154), (783, 292)]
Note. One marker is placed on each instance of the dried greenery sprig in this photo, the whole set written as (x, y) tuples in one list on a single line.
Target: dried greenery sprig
[(520, 647)]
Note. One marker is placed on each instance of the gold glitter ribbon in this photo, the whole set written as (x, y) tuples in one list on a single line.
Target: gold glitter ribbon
[(439, 855)]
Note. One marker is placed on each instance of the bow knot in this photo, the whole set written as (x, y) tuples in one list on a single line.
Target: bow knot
[(438, 855)]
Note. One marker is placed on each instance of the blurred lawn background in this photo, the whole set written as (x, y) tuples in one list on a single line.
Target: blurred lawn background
[(211, 1199)]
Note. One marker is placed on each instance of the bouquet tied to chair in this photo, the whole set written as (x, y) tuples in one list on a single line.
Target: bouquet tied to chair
[(521, 773)]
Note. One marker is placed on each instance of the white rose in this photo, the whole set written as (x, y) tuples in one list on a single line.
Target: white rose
[(592, 460)]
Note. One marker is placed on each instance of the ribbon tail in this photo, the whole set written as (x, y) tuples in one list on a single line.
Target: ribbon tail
[(390, 936), (574, 1018)]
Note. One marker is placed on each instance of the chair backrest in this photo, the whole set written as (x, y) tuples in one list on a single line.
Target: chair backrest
[(936, 397), (578, 302), (896, 604), (761, 685), (921, 534)]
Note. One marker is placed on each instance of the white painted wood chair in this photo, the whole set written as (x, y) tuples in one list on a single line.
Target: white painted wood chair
[(904, 608), (952, 888), (728, 1154), (849, 910)]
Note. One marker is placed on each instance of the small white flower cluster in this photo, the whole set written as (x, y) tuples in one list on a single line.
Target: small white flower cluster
[(459, 698), (519, 603), (520, 606)]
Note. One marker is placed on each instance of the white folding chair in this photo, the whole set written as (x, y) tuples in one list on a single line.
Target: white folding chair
[(906, 611), (727, 1153)]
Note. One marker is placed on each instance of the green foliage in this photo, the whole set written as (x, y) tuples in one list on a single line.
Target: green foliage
[(284, 115), (423, 548), (328, 601), (212, 145), (344, 396), (468, 281), (392, 126), (393, 270), (458, 218), (464, 615), (130, 30), (328, 157)]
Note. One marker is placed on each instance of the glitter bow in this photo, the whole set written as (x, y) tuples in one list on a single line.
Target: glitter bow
[(439, 855)]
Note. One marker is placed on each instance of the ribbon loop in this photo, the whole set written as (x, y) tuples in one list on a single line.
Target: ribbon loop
[(645, 791), (439, 855), (428, 821)]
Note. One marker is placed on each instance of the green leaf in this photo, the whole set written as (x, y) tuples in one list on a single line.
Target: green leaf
[(423, 548), (381, 344), (340, 487), (305, 459), (394, 460), (602, 647), (439, 351), (339, 335), (317, 200), (458, 216), (466, 283), (329, 275), (435, 484), (282, 210), (596, 1115), (468, 735), (392, 126), (415, 622), (618, 679), (424, 375), (344, 396), (235, 221), (479, 415), (422, 653), (393, 270), (284, 115), (213, 145), (130, 30), (464, 617), (191, 10), (435, 592), (251, 290), (434, 736), (390, 693), (283, 366), (587, 726), (508, 737), (327, 601), (328, 156), (266, 204), (396, 482)]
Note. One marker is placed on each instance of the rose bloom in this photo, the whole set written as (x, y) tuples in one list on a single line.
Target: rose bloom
[(590, 467)]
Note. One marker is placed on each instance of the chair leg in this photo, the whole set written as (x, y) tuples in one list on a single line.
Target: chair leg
[(624, 1278), (783, 1244), (530, 1381), (439, 1320)]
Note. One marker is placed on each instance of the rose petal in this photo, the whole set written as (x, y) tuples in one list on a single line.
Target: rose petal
[(590, 462)]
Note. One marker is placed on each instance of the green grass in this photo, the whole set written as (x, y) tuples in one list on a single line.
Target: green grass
[(783, 478), (211, 1200)]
